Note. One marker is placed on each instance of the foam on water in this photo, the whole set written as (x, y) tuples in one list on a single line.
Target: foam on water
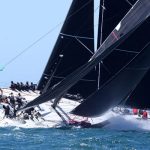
[(127, 122), (117, 122)]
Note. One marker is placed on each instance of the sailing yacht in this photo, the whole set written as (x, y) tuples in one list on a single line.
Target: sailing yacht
[(75, 68)]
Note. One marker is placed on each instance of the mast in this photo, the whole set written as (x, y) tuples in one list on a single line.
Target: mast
[(100, 36), (97, 19), (101, 23)]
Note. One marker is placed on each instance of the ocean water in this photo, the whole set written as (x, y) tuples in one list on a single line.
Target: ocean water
[(73, 139)]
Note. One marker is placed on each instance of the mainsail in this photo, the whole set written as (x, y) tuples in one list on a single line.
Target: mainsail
[(74, 47), (134, 18), (118, 88)]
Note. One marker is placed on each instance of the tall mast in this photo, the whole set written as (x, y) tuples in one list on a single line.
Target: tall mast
[(102, 6), (96, 12), (100, 30)]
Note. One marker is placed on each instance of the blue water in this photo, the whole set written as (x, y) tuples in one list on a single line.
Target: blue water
[(74, 139)]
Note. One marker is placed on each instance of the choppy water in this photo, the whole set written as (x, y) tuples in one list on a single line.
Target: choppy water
[(83, 139)]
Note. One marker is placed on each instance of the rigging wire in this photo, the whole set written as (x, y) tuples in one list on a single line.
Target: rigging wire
[(43, 36), (129, 2)]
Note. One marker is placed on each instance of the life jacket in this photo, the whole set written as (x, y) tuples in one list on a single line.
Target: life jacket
[(135, 111), (145, 115)]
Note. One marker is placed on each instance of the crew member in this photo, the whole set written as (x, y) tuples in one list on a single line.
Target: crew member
[(135, 111), (6, 110), (12, 100), (140, 112), (1, 94), (19, 100), (145, 115)]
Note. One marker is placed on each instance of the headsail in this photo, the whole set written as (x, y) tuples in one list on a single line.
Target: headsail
[(74, 47), (135, 17), (118, 88)]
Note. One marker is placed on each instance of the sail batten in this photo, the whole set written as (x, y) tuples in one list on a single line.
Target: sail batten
[(74, 36), (127, 51)]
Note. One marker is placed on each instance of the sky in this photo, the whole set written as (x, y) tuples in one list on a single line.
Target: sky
[(23, 22)]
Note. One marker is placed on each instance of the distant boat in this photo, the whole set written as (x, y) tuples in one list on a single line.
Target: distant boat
[(74, 49)]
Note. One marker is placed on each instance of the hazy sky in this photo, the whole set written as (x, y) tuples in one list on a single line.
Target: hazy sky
[(22, 22)]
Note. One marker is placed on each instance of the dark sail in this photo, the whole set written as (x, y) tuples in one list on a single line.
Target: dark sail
[(74, 47), (135, 17), (118, 88)]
